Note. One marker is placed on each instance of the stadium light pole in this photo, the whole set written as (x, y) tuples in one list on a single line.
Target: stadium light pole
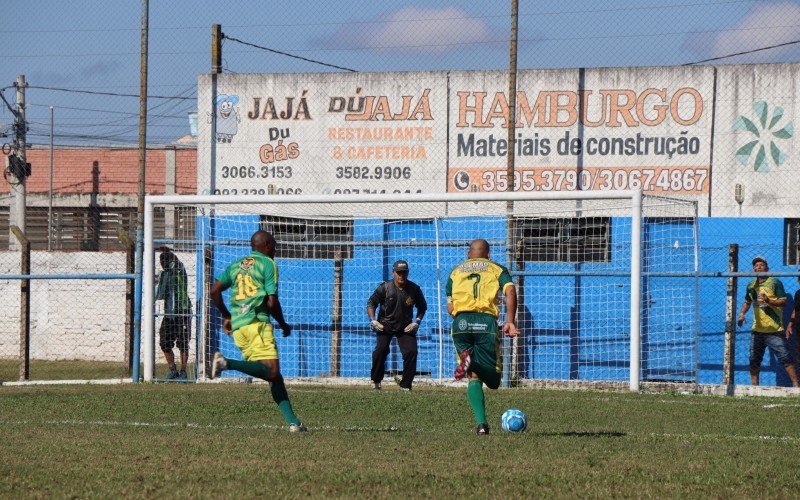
[(137, 307)]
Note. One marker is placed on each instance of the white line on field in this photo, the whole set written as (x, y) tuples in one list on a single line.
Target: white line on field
[(391, 428), (118, 423), (790, 439), (698, 401)]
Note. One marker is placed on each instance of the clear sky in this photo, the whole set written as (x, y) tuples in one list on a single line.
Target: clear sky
[(74, 52)]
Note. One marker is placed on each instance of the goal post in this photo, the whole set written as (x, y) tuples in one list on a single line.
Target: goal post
[(582, 263)]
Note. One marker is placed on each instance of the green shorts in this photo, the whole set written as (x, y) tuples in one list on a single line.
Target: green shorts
[(478, 332)]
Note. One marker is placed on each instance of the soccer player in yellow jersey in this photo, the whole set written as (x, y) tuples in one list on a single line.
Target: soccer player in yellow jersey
[(254, 300), (472, 300)]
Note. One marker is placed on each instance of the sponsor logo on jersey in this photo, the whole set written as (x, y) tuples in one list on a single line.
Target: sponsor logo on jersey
[(477, 327), (473, 266), (466, 326), (247, 263)]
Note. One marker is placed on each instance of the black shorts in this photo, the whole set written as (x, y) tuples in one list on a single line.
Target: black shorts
[(174, 331)]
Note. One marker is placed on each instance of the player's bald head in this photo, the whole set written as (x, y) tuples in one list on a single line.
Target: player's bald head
[(264, 242), (478, 249)]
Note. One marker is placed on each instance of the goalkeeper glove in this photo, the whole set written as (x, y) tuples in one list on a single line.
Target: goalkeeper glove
[(378, 327), (412, 327)]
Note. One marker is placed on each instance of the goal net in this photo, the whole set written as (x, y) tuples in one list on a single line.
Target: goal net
[(606, 282)]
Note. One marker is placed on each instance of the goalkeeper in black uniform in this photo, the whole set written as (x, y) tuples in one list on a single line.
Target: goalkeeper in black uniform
[(396, 299)]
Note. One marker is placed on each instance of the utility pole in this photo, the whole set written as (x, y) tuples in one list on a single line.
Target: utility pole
[(146, 344), (50, 191), (511, 377), (216, 68), (16, 176)]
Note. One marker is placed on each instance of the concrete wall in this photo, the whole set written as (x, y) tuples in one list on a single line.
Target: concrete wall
[(70, 318)]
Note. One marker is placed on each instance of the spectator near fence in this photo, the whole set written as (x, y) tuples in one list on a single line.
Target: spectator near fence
[(175, 325), (770, 298)]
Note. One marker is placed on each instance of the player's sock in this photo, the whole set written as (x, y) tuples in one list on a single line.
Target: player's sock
[(252, 368), (279, 394), (476, 401)]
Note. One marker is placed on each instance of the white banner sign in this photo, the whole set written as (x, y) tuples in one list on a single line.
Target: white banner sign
[(599, 129)]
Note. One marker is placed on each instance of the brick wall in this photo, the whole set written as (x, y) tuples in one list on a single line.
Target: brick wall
[(118, 171)]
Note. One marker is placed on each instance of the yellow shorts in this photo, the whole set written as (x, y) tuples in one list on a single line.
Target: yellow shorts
[(256, 341)]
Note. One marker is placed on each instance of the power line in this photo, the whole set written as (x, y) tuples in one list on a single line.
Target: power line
[(287, 54), (743, 53), (114, 94), (104, 111), (428, 45)]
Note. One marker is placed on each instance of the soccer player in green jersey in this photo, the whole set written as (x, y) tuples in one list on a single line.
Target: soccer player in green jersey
[(254, 301), (472, 300)]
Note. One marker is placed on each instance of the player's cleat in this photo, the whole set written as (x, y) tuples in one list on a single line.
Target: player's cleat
[(298, 427), (376, 386), (399, 381), (182, 375), (463, 366), (407, 389), (172, 375), (219, 364), (482, 430)]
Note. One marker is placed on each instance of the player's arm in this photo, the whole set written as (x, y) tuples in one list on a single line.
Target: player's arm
[(793, 318), (216, 296), (777, 302), (448, 291), (780, 299), (162, 285), (744, 309), (421, 305), (276, 311), (510, 326), (373, 302)]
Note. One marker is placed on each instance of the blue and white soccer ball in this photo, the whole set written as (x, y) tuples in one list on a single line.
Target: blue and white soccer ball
[(514, 420)]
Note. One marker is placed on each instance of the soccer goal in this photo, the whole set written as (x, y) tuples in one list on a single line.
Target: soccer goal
[(607, 281)]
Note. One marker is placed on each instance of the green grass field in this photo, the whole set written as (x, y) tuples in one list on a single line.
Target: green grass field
[(76, 370), (209, 440)]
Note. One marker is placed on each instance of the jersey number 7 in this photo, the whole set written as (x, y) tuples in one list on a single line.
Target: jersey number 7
[(477, 278)]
